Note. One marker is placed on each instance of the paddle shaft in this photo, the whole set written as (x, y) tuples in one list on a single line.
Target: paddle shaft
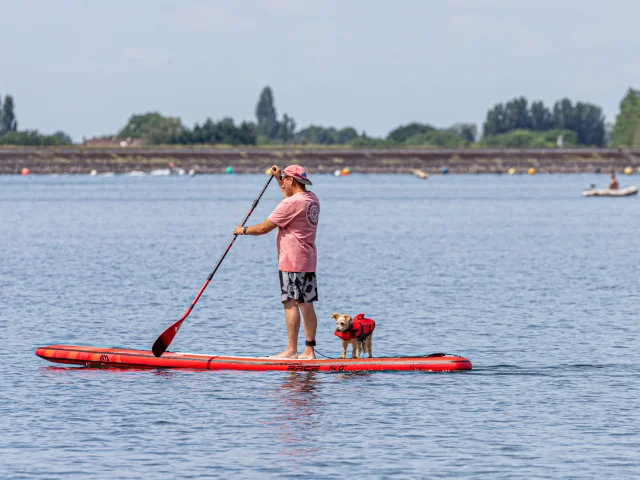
[(215, 269), (162, 342)]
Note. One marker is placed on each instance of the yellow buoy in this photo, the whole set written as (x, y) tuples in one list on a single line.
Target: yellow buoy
[(511, 171), (628, 171), (532, 171)]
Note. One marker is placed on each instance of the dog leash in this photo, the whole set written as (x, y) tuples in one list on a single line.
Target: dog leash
[(330, 358)]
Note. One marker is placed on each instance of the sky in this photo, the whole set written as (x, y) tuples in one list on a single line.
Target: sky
[(85, 66)]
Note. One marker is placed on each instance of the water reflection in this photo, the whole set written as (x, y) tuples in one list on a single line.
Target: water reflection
[(92, 372), (298, 418)]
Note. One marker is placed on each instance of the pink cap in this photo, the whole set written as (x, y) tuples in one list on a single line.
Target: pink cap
[(297, 172)]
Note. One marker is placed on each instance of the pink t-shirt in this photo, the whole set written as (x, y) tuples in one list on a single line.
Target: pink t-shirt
[(297, 221)]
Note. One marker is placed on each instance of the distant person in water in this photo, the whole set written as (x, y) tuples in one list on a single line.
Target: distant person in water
[(614, 182), (296, 218)]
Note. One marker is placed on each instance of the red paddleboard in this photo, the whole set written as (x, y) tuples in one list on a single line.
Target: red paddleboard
[(129, 358)]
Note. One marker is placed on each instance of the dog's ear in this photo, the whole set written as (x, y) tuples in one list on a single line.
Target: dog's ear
[(335, 315), (348, 318)]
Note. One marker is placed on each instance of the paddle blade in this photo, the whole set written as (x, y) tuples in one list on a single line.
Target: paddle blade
[(162, 343)]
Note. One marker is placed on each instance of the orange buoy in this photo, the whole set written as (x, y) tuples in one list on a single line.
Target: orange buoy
[(25, 171), (346, 171)]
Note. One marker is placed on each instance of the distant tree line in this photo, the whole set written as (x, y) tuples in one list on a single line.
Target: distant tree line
[(156, 129), (584, 119), (10, 135), (514, 124)]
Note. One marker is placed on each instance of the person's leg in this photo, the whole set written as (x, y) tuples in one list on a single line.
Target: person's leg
[(292, 317), (310, 327)]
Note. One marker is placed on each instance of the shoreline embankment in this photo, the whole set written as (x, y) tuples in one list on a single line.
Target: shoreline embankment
[(82, 160)]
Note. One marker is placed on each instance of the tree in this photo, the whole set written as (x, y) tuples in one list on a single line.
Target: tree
[(8, 121), (31, 138), (286, 129), (266, 114), (626, 131), (495, 122), (153, 128), (225, 131), (345, 135), (585, 119), (247, 133), (363, 141), (563, 114), (466, 131), (541, 118), (589, 124), (513, 115), (404, 132), (317, 134), (63, 137), (517, 115)]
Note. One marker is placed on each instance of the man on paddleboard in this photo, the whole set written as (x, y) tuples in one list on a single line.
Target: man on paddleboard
[(296, 218)]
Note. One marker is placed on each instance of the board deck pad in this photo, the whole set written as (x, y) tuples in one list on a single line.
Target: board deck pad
[(119, 357)]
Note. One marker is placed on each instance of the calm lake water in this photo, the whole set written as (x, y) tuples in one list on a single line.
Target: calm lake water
[(536, 285)]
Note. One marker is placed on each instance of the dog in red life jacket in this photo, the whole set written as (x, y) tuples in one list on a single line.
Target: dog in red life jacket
[(356, 331)]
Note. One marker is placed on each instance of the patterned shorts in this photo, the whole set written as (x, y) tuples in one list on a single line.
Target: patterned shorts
[(300, 286)]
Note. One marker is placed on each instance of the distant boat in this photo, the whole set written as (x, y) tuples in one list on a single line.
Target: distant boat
[(94, 173), (167, 171), (135, 173), (607, 192)]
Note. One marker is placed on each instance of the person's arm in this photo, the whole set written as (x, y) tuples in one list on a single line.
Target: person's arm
[(260, 229)]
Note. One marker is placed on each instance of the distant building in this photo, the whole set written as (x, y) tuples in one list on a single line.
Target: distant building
[(113, 142)]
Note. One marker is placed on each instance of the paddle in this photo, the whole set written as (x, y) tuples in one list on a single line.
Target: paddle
[(162, 343)]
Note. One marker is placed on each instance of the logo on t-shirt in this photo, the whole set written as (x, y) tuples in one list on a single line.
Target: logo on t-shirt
[(313, 213)]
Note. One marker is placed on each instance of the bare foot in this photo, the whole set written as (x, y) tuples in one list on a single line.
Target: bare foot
[(286, 354), (308, 354)]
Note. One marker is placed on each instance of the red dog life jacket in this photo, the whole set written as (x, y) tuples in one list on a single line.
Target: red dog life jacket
[(361, 328)]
